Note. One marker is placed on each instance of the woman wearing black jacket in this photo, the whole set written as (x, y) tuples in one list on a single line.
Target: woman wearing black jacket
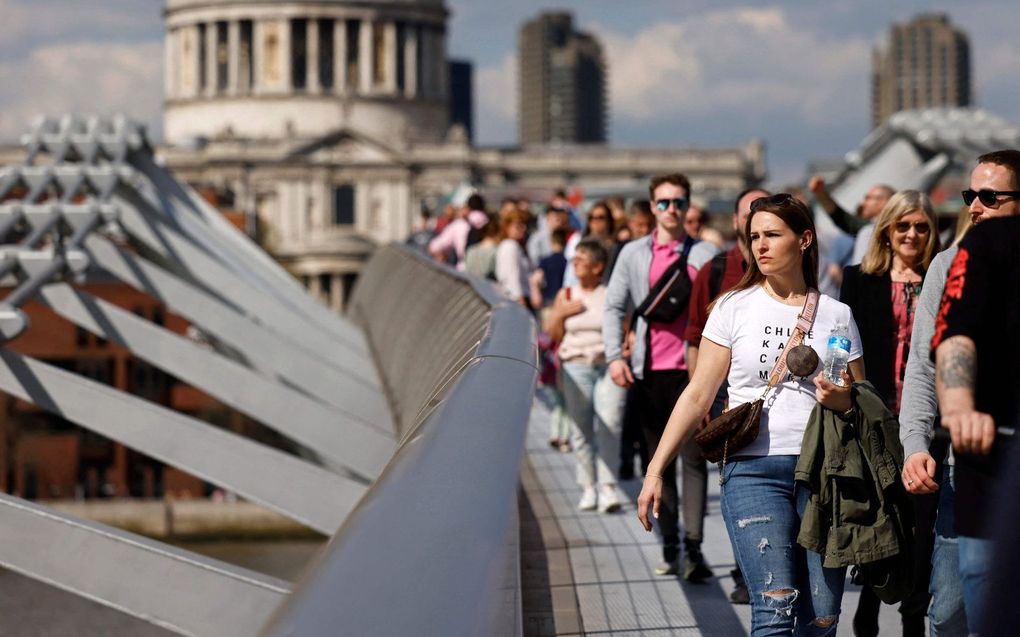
[(882, 292)]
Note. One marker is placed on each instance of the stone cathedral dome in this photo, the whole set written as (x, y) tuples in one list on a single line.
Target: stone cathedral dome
[(271, 69)]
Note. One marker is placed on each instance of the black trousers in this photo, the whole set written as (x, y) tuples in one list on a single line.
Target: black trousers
[(656, 395), (914, 608), (631, 437)]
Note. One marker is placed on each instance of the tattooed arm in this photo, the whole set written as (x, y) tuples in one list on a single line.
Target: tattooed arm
[(955, 373)]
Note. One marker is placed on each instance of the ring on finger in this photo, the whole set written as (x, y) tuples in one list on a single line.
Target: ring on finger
[(910, 481)]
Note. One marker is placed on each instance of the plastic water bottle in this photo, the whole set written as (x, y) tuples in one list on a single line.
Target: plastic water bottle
[(837, 354)]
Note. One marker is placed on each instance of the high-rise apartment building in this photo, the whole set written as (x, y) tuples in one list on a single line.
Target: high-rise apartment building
[(926, 63), (562, 86)]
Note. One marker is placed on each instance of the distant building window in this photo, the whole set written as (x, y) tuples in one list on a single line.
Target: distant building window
[(326, 54), (343, 205), (419, 61), (246, 61), (353, 54), (202, 67), (378, 53), (401, 70), (299, 53), (222, 57)]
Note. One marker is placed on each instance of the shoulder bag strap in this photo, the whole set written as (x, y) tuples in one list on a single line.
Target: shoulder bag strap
[(805, 320)]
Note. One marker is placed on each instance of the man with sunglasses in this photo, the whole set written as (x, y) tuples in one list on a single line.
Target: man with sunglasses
[(961, 560), (658, 365)]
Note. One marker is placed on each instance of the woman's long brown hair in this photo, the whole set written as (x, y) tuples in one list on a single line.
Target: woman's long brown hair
[(797, 217)]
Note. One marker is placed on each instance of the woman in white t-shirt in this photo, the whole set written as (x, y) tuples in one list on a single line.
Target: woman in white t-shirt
[(512, 265), (746, 332)]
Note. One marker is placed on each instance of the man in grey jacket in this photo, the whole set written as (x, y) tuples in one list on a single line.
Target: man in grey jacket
[(657, 367), (996, 172)]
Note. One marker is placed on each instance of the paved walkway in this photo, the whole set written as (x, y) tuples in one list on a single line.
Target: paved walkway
[(587, 573)]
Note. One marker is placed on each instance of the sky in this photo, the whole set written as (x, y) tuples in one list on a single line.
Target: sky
[(681, 73)]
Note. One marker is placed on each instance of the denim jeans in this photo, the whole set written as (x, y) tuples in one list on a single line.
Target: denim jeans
[(559, 421), (789, 587), (595, 404), (946, 615), (976, 558)]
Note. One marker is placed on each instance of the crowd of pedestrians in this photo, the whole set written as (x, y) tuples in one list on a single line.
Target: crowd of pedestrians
[(655, 329)]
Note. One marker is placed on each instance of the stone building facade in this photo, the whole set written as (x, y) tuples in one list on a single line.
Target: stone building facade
[(327, 123)]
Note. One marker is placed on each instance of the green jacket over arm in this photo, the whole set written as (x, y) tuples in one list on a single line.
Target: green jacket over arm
[(858, 511)]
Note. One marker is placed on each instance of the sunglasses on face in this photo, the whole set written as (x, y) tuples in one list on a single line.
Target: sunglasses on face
[(920, 227), (772, 200), (598, 218), (680, 203), (989, 198)]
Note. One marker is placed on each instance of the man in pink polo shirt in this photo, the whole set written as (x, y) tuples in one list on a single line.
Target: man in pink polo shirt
[(657, 368)]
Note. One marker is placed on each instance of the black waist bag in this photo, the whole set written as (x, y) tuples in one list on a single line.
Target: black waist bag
[(668, 298)]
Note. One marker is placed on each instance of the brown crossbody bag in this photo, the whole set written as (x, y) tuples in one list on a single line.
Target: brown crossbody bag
[(736, 428)]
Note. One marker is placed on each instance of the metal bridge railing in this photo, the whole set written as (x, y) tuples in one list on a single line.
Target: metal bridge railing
[(415, 410), (431, 549)]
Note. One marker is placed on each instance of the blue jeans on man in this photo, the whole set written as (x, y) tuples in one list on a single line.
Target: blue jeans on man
[(946, 615)]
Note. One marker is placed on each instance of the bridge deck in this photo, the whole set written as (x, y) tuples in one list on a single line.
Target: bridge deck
[(587, 573)]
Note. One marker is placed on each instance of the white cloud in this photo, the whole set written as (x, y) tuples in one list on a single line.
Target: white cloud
[(736, 62), (496, 97), (85, 78)]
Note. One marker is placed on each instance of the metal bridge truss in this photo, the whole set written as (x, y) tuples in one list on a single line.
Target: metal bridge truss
[(89, 197)]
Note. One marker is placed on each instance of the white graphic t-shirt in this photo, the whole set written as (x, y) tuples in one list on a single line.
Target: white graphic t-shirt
[(755, 327)]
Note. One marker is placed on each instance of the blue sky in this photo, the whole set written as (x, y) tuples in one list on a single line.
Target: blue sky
[(695, 73)]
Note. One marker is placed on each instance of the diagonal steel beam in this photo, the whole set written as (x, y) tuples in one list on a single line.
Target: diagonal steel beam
[(206, 223), (268, 351), (329, 432), (134, 574), (198, 266), (313, 496)]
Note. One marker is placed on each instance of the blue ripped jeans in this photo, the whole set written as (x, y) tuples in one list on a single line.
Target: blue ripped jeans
[(789, 587)]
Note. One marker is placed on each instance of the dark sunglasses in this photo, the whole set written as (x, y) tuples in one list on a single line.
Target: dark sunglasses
[(988, 197), (598, 218), (772, 200), (680, 203), (920, 227)]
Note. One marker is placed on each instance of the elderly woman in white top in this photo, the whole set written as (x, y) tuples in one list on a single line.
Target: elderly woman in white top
[(512, 264), (594, 401)]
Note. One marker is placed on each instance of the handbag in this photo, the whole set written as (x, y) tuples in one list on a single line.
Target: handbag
[(669, 297), (738, 427)]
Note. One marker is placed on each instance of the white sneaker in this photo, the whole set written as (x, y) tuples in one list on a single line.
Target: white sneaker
[(589, 500), (609, 499)]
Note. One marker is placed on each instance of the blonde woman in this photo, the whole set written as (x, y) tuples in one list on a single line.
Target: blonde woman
[(882, 292)]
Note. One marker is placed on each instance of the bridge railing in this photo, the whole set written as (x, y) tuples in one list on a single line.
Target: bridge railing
[(412, 411), (431, 549)]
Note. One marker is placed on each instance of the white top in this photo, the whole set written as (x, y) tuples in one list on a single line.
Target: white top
[(755, 327), (512, 269), (582, 338)]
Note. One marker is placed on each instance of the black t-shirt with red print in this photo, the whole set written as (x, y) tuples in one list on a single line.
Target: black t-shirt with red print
[(982, 301)]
